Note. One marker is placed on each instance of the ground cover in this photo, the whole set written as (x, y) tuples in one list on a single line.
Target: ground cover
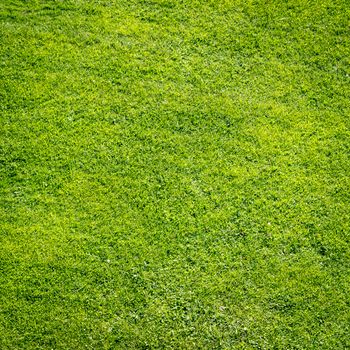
[(174, 174)]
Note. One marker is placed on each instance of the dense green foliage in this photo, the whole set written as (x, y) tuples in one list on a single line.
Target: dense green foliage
[(174, 174)]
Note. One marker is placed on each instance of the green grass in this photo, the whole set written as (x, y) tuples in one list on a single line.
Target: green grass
[(174, 174)]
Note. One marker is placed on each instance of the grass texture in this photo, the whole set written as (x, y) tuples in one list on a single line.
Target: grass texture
[(174, 174)]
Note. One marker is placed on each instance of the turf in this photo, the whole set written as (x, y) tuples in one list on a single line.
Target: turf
[(174, 174)]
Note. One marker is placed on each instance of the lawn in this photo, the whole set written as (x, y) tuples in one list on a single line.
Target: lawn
[(174, 174)]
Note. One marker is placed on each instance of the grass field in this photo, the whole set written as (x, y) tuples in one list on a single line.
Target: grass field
[(174, 174)]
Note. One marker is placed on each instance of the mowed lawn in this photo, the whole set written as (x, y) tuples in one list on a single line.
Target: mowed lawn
[(174, 174)]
